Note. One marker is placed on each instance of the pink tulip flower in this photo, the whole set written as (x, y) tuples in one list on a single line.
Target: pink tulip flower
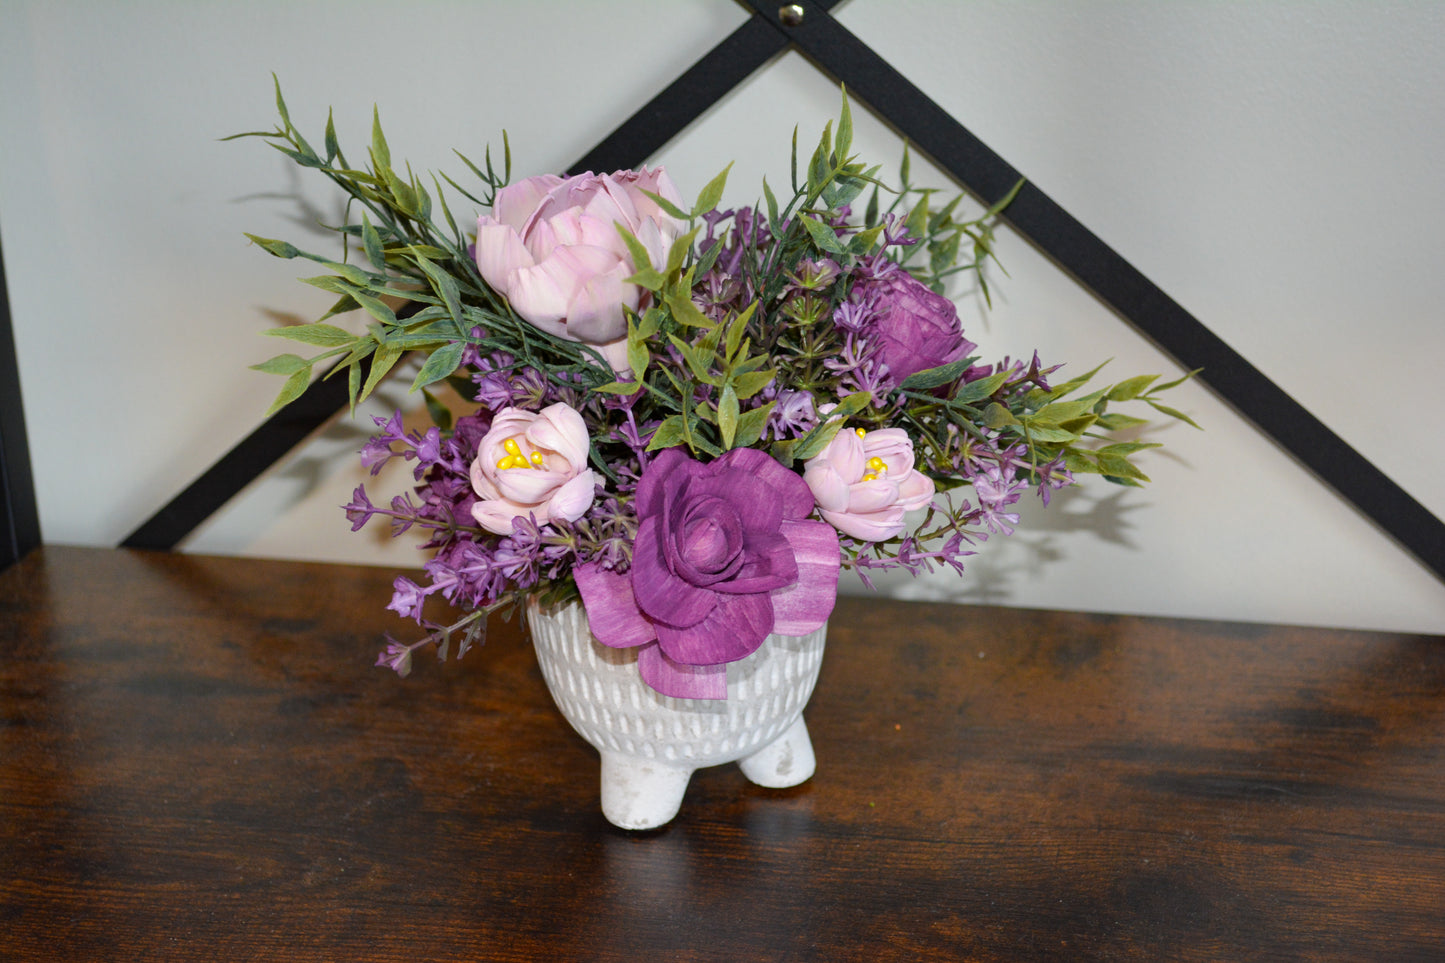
[(532, 463), (864, 482), (551, 247)]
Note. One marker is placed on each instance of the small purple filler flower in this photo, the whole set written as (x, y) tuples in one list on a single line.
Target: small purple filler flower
[(914, 328), (725, 554)]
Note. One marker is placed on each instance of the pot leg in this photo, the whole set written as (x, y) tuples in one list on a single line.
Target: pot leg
[(641, 793), (786, 761)]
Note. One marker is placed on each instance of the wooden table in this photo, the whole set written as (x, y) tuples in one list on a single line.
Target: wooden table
[(198, 762)]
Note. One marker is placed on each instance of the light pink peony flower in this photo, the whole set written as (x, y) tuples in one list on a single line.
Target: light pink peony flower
[(864, 482), (532, 464), (551, 247)]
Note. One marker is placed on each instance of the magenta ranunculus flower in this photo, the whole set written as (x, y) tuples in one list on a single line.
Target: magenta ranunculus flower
[(551, 247), (532, 464), (725, 554), (865, 482), (915, 328)]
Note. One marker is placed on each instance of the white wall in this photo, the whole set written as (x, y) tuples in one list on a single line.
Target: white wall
[(1270, 165)]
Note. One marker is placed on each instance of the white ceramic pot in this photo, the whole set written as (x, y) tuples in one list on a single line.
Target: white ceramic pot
[(651, 743)]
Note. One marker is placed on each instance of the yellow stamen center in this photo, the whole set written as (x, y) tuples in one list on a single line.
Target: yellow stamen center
[(859, 432), (514, 457)]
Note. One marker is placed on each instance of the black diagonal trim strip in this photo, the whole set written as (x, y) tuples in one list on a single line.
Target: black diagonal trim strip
[(258, 451), (1100, 269), (684, 100)]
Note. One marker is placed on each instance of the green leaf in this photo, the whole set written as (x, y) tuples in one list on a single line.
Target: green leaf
[(344, 305), (619, 387), (751, 424), (322, 335), (446, 287), (1131, 388), (736, 327), (697, 359), (1172, 413), (380, 153), (294, 388), (687, 313), (283, 364), (375, 307), (980, 389), (638, 357), (750, 383), (997, 416), (677, 254), (1118, 421), (647, 276), (280, 249), (844, 139), (823, 236), (385, 358), (710, 195), (442, 362), (1129, 447), (933, 377), (727, 415), (371, 243), (1117, 466), (333, 147), (772, 203), (669, 434)]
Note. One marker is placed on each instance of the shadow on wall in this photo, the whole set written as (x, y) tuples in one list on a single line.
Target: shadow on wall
[(1004, 561)]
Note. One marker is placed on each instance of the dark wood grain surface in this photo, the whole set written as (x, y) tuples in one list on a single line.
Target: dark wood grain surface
[(199, 762)]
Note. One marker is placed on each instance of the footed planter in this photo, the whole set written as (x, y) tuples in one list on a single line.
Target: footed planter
[(651, 743)]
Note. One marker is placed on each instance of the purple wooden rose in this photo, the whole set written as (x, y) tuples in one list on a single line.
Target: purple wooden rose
[(915, 328), (725, 555)]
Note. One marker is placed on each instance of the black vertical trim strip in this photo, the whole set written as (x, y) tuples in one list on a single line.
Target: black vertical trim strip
[(19, 515), (868, 77)]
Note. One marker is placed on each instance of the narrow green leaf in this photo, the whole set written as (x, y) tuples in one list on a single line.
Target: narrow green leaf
[(322, 335), (709, 197), (294, 388), (1172, 413), (844, 140), (442, 362), (727, 416), (1118, 466), (333, 147), (980, 389), (686, 313), (283, 364), (382, 362), (750, 383), (997, 416), (751, 424), (823, 235), (677, 254), (375, 307), (933, 377), (667, 206), (772, 203), (669, 434), (282, 249), (281, 102), (371, 243), (344, 305), (638, 357), (380, 153), (1131, 388)]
